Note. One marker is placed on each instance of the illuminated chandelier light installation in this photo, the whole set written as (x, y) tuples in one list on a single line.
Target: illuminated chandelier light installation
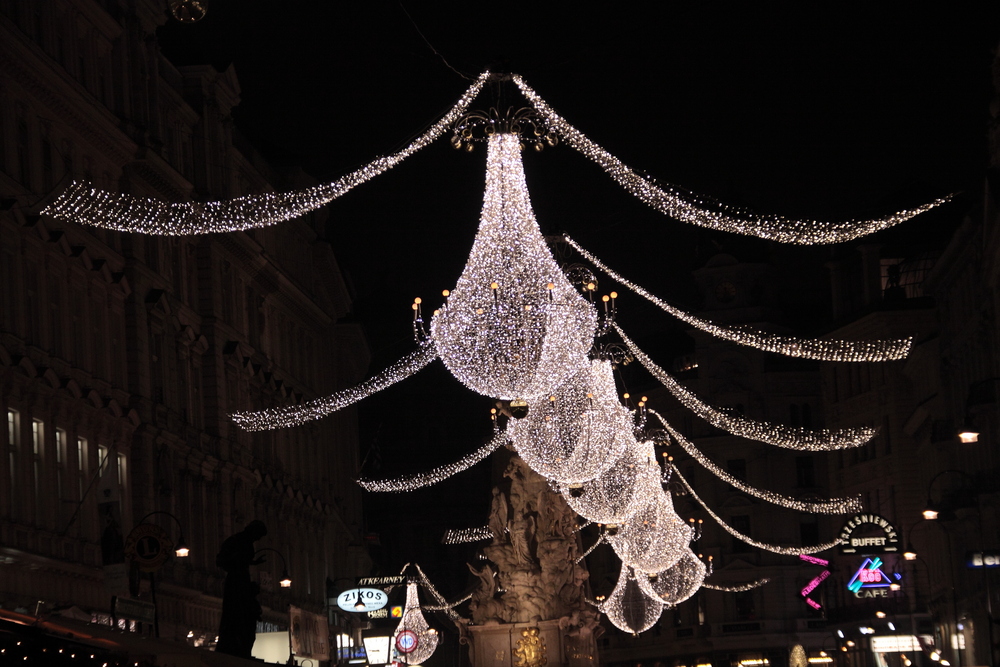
[(832, 506), (577, 432), (513, 327), (467, 535), (785, 551), (695, 210), (441, 473), (628, 607), (805, 348), (620, 491), (294, 415), (789, 437), (414, 639), (675, 584), (654, 538), (84, 204)]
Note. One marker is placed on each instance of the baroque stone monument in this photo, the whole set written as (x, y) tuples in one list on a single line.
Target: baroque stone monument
[(530, 609)]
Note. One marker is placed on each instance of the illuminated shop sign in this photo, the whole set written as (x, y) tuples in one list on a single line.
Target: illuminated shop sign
[(978, 559), (868, 534), (817, 580), (870, 581)]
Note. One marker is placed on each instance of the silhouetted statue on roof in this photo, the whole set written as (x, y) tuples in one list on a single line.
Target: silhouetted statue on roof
[(240, 608)]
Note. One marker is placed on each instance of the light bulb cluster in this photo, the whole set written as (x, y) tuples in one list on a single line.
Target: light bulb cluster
[(832, 506), (413, 632), (513, 327), (619, 492), (789, 437), (785, 551), (294, 415), (578, 431), (467, 535), (701, 211), (790, 346), (654, 538), (628, 607), (419, 480), (84, 204), (677, 583), (737, 589)]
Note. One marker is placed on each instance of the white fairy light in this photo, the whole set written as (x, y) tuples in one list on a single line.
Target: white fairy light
[(600, 540), (737, 589), (446, 606), (790, 346), (677, 583), (416, 481), (442, 603), (621, 490), (784, 551), (414, 631), (82, 203), (832, 506), (654, 538), (696, 210), (513, 327), (578, 431), (628, 607), (294, 415), (789, 437), (467, 535)]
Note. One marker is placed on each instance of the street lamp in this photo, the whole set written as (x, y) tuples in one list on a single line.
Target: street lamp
[(285, 581), (181, 550)]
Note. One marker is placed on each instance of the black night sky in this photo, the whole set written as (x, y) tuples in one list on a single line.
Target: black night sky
[(815, 110)]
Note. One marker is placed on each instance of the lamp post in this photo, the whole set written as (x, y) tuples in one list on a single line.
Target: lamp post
[(284, 582), (945, 512), (146, 546)]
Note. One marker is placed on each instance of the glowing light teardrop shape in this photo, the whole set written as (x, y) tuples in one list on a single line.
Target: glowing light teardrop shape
[(578, 431), (628, 607), (654, 538), (413, 633), (678, 582), (513, 327), (619, 492)]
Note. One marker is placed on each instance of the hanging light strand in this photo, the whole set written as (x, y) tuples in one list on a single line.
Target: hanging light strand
[(600, 540), (442, 602), (737, 589), (832, 506), (790, 346), (784, 551), (448, 606), (789, 437), (294, 415), (467, 535), (693, 209), (82, 203), (419, 480)]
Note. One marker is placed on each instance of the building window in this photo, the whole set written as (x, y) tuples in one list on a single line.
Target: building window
[(741, 524), (13, 428), (81, 467), (809, 534), (805, 472), (745, 609), (60, 461), (37, 460)]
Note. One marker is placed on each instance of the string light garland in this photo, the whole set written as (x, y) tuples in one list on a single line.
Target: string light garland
[(294, 415), (737, 589), (447, 606), (696, 210), (677, 583), (84, 204), (442, 603), (790, 346), (784, 551), (513, 327), (654, 538), (628, 607), (413, 632), (789, 437), (619, 492), (832, 506), (419, 480), (602, 539), (579, 432), (467, 535)]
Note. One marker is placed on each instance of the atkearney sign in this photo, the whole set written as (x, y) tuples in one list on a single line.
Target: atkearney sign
[(856, 537)]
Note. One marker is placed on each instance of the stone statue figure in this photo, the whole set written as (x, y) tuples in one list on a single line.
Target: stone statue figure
[(240, 608)]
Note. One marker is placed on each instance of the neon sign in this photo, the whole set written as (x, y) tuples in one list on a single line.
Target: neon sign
[(870, 581), (817, 580)]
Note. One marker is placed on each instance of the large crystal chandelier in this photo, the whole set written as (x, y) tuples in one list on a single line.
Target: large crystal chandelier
[(654, 538)]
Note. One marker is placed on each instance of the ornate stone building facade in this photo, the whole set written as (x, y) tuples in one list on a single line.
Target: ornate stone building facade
[(126, 353)]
